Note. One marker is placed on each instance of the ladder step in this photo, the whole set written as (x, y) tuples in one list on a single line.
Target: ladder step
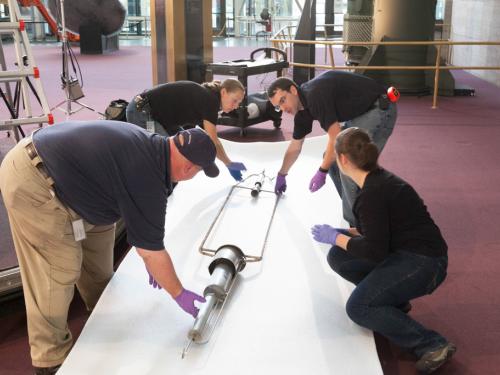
[(12, 26), (17, 75), (27, 120)]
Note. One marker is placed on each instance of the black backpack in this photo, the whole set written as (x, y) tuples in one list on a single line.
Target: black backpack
[(117, 110)]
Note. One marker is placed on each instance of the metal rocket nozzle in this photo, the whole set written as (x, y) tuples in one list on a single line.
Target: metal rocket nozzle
[(228, 261), (257, 187)]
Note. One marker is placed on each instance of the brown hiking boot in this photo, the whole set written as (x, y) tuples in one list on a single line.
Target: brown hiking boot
[(431, 361)]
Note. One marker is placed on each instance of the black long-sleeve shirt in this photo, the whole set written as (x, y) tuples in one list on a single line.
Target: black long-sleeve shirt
[(390, 217)]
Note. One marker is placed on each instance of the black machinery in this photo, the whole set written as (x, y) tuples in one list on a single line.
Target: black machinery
[(254, 108)]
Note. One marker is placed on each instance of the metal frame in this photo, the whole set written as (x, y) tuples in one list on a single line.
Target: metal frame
[(249, 258)]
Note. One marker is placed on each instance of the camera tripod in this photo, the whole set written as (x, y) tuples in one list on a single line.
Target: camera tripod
[(70, 85)]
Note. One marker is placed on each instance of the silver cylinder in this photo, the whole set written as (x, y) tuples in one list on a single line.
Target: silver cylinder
[(228, 261), (231, 255), (220, 281), (196, 332)]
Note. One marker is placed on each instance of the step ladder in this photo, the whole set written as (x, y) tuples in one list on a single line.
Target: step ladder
[(26, 77)]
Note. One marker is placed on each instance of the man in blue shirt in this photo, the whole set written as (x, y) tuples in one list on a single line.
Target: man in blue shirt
[(64, 187)]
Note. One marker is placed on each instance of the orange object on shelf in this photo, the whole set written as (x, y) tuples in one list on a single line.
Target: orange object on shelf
[(393, 94)]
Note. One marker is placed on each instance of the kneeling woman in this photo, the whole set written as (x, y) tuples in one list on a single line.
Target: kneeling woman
[(395, 254)]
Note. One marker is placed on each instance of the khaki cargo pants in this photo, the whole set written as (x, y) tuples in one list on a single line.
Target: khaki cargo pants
[(51, 261)]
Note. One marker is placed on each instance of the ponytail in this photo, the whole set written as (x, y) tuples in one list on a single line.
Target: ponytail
[(214, 86), (356, 144), (230, 84)]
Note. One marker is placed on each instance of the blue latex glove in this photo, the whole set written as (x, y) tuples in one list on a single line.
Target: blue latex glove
[(317, 181), (325, 234), (235, 169), (186, 302), (280, 186)]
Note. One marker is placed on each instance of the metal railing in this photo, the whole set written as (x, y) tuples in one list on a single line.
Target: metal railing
[(437, 67)]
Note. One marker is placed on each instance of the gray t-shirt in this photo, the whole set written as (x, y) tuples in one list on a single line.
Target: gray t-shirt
[(105, 170)]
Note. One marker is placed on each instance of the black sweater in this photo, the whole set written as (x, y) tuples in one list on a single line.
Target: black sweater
[(390, 217)]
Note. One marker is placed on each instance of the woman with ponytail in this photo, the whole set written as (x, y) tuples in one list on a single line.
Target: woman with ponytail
[(167, 108), (395, 253)]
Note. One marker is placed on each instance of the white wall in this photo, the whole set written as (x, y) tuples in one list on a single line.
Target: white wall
[(477, 20)]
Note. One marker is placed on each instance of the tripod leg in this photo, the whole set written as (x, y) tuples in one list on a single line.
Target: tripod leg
[(89, 108)]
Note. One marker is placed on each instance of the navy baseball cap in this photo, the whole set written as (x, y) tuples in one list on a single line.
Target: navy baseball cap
[(196, 146)]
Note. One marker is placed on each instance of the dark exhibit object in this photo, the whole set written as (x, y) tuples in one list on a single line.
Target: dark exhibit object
[(195, 48), (303, 53), (109, 15), (94, 42), (411, 20), (357, 28), (329, 17), (242, 69), (393, 20)]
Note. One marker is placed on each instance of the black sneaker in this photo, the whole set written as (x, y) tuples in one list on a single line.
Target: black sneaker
[(46, 370), (431, 361)]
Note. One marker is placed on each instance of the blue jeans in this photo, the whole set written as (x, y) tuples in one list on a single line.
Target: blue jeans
[(379, 125), (140, 118), (382, 287)]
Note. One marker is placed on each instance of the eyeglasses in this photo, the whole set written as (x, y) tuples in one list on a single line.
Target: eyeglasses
[(282, 101)]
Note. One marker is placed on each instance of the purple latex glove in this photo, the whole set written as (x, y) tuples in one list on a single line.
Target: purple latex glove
[(317, 181), (343, 231), (235, 169), (280, 186), (325, 234), (153, 282), (186, 301)]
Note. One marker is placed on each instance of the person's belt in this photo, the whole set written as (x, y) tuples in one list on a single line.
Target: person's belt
[(381, 102), (33, 154)]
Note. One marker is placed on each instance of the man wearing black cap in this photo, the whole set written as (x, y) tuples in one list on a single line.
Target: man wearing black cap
[(64, 187)]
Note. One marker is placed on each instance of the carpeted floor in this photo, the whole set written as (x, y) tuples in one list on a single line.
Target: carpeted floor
[(450, 155)]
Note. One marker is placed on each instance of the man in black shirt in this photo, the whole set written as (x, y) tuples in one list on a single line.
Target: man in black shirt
[(332, 98), (64, 187), (166, 108)]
